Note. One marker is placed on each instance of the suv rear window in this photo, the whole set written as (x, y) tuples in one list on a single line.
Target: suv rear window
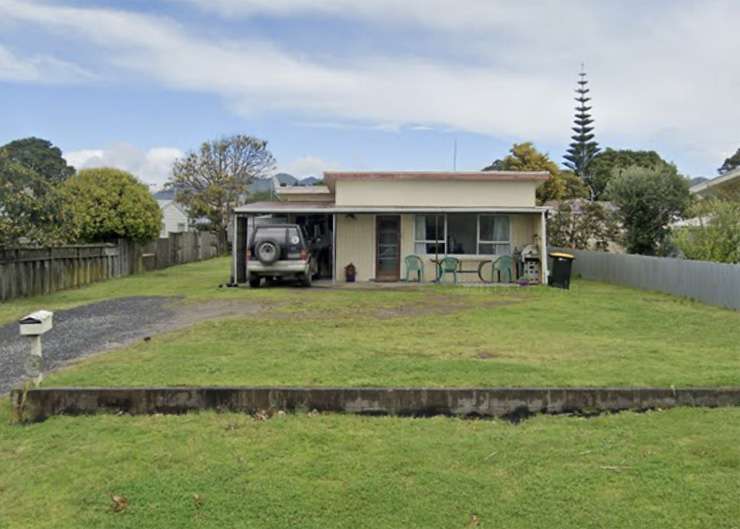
[(265, 232)]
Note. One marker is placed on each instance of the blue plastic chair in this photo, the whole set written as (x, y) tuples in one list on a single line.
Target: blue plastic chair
[(504, 265), (414, 265), (448, 265)]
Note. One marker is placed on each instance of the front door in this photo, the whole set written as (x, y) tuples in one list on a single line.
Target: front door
[(387, 248)]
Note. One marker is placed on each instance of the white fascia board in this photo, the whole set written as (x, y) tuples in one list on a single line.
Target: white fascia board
[(346, 209)]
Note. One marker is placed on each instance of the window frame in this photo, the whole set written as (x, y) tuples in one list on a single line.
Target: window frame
[(495, 243), (426, 241), (478, 240)]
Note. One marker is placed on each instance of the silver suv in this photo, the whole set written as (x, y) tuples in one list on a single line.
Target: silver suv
[(277, 251)]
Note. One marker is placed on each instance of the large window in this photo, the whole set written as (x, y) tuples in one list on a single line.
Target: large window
[(462, 234), (494, 235), (429, 235)]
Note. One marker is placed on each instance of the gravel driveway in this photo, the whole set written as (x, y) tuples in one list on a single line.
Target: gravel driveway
[(83, 330)]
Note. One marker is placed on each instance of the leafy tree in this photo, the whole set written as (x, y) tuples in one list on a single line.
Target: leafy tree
[(41, 157), (108, 204), (582, 150), (730, 164), (525, 157), (213, 181), (583, 225), (716, 237), (648, 200), (29, 217), (612, 162), (496, 165)]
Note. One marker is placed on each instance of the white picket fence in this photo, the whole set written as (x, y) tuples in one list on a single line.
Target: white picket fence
[(711, 283)]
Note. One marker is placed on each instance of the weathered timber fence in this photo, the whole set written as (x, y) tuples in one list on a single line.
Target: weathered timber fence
[(711, 283), (36, 271), (515, 403)]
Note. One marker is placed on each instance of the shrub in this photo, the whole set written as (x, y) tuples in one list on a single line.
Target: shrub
[(108, 204)]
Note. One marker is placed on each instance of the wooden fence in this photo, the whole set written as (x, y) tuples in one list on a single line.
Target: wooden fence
[(36, 271), (712, 283)]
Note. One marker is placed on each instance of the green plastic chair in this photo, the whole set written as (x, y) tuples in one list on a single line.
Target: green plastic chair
[(414, 265), (448, 265), (504, 265)]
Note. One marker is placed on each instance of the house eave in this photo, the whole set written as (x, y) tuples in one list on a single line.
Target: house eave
[(287, 207)]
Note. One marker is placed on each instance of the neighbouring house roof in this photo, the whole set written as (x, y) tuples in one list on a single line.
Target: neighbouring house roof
[(330, 177), (300, 190), (330, 207), (164, 204), (725, 181)]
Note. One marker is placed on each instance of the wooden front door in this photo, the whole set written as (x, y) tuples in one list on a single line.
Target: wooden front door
[(387, 248)]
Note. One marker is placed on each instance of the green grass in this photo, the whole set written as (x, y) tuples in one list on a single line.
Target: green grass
[(592, 335), (670, 469), (673, 469)]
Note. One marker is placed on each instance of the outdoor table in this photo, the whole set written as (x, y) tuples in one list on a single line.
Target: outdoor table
[(461, 264)]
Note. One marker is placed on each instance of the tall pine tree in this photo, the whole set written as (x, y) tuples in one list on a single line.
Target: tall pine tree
[(582, 150)]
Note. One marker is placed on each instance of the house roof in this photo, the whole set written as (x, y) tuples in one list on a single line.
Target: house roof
[(258, 208), (331, 177)]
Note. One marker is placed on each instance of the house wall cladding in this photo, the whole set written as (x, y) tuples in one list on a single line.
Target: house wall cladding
[(36, 271), (711, 283)]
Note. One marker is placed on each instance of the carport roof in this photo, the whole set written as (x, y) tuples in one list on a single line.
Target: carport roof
[(261, 208)]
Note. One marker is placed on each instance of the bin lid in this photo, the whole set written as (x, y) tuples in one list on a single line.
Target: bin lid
[(563, 255)]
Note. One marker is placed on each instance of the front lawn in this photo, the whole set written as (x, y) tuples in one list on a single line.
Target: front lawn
[(592, 335), (673, 469), (663, 469)]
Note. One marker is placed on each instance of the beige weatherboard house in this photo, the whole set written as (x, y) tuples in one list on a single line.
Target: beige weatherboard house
[(375, 219)]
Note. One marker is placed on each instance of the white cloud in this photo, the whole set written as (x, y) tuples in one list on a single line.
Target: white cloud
[(453, 15), (40, 68), (151, 166), (308, 166), (662, 73)]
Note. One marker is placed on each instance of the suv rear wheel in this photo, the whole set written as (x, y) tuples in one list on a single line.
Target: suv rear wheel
[(306, 279), (254, 282)]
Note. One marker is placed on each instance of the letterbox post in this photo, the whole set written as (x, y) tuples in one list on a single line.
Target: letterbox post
[(33, 326)]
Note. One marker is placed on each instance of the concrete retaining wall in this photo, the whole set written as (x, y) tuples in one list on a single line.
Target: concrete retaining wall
[(38, 404)]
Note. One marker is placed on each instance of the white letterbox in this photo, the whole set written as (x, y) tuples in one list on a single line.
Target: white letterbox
[(36, 323)]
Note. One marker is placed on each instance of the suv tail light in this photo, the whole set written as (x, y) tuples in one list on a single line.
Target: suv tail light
[(304, 254), (249, 253)]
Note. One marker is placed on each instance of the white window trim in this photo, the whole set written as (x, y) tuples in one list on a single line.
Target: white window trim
[(478, 240), (432, 241)]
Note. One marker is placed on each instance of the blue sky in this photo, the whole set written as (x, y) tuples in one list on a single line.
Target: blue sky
[(367, 84)]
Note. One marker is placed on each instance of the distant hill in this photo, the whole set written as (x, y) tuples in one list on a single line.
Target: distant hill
[(697, 180), (164, 194), (265, 185), (260, 185), (310, 181)]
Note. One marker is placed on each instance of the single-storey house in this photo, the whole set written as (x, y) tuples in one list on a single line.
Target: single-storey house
[(373, 220)]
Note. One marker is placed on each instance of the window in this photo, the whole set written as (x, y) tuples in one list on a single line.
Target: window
[(429, 234), (462, 234), (493, 235)]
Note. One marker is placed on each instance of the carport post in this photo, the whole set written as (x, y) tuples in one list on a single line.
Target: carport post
[(543, 251), (334, 248), (234, 238)]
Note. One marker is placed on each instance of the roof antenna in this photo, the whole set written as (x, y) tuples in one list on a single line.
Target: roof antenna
[(454, 156)]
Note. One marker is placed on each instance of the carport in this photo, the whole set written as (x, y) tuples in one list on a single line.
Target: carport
[(318, 219)]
